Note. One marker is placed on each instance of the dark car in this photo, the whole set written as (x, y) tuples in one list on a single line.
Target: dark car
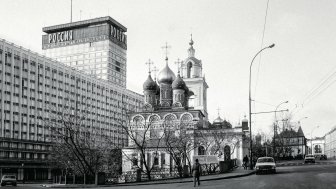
[(8, 180), (323, 157)]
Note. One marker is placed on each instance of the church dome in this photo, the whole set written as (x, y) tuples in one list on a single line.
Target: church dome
[(178, 83), (149, 84), (166, 75), (218, 120)]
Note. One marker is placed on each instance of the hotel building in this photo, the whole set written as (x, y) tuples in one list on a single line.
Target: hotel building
[(96, 47), (30, 84)]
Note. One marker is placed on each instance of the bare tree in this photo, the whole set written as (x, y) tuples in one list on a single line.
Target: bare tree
[(143, 138), (78, 145)]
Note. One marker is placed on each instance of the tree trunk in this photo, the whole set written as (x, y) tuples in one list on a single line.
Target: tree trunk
[(96, 178), (84, 179)]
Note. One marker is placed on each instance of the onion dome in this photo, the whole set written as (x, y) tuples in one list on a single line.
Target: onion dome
[(149, 84), (178, 83), (166, 75), (245, 120), (218, 120)]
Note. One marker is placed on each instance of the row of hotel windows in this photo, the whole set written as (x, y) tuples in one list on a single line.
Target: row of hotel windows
[(91, 49), (22, 155), (8, 78)]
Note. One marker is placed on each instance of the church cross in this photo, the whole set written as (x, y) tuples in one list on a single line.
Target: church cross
[(218, 109), (166, 47), (149, 63), (178, 63), (155, 70)]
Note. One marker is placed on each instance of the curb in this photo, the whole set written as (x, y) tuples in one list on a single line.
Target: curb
[(156, 183)]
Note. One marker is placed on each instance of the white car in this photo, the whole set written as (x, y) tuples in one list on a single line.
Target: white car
[(265, 164), (8, 180), (309, 158)]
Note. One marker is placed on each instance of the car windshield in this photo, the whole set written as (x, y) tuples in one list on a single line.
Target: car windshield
[(9, 177), (263, 160), (309, 156)]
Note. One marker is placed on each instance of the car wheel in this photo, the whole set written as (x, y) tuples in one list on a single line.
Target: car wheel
[(14, 184), (3, 184)]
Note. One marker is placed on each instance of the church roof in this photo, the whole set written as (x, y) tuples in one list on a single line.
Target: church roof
[(178, 83), (149, 84), (300, 132), (166, 75)]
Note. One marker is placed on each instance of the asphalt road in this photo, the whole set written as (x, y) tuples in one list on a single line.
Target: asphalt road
[(295, 177), (291, 177)]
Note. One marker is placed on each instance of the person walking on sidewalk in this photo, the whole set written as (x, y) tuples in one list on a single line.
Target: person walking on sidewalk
[(196, 170), (245, 161)]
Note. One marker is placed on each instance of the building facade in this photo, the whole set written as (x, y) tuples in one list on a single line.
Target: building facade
[(330, 144), (96, 47), (291, 144), (32, 88), (317, 144)]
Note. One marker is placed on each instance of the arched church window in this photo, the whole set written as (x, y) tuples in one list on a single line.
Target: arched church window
[(189, 66), (138, 120), (201, 150)]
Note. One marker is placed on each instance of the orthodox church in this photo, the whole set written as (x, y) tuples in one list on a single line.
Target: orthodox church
[(173, 128)]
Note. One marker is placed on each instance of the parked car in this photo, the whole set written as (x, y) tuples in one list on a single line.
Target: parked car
[(323, 157), (265, 164), (8, 180), (309, 158)]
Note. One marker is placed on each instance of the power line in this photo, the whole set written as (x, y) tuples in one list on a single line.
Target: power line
[(318, 89), (261, 46)]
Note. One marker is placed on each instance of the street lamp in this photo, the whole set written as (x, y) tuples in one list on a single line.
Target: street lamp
[(276, 125), (301, 119), (271, 46), (311, 139)]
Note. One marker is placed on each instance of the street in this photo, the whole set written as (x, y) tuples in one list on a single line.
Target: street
[(306, 176), (290, 177)]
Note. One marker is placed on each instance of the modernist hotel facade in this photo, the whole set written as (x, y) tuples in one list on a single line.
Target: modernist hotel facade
[(31, 83)]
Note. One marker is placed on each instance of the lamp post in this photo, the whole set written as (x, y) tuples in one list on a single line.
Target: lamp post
[(311, 139), (302, 119), (276, 125), (271, 46)]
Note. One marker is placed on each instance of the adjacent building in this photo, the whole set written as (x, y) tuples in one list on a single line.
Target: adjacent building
[(291, 144), (33, 87), (96, 47), (330, 143), (316, 146)]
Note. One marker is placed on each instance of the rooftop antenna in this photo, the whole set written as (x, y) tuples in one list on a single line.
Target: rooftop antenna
[(71, 12), (149, 63), (166, 51)]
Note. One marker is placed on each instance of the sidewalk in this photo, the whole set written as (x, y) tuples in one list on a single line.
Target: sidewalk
[(238, 172)]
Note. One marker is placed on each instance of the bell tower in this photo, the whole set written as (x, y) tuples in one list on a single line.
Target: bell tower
[(191, 72)]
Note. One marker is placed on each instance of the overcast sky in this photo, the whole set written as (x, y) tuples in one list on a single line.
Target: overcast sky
[(227, 34)]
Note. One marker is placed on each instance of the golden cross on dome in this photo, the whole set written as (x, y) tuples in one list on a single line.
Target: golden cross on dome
[(218, 109), (155, 70), (178, 62), (149, 63), (166, 50)]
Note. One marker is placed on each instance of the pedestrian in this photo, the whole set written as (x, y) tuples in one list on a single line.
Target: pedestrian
[(196, 170), (245, 161)]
